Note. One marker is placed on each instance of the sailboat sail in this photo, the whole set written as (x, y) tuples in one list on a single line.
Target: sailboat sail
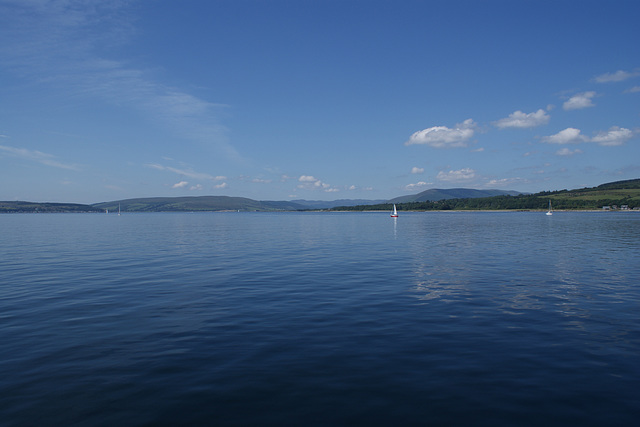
[(394, 214)]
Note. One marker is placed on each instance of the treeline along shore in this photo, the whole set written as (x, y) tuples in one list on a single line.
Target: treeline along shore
[(620, 195)]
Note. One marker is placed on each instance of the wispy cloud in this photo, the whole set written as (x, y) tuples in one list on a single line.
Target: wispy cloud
[(460, 175), (38, 157), (504, 182), (417, 170), (187, 172), (617, 76), (518, 119), (180, 184), (579, 101), (416, 186), (635, 89), (308, 178), (58, 44), (444, 137), (567, 152)]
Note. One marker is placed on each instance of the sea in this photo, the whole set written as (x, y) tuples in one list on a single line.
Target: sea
[(320, 318)]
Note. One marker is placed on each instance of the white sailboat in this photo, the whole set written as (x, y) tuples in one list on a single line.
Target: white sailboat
[(394, 214), (549, 212), (118, 209)]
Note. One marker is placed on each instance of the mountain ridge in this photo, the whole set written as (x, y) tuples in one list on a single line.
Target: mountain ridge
[(435, 194)]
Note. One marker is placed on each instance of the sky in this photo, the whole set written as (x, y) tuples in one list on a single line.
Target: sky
[(314, 99)]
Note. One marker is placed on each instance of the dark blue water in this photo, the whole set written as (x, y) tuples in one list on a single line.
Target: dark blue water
[(320, 319)]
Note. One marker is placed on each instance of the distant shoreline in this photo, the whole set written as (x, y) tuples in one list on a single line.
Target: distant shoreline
[(488, 210), (330, 211), (616, 196)]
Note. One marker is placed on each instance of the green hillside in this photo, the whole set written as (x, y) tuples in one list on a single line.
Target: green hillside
[(32, 207), (196, 204), (620, 193)]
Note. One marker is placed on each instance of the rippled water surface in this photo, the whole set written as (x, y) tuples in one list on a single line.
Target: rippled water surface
[(320, 319)]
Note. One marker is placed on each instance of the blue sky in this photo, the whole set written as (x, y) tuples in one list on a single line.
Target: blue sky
[(317, 100)]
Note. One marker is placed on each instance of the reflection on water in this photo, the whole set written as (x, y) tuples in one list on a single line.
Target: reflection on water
[(326, 318), (574, 264)]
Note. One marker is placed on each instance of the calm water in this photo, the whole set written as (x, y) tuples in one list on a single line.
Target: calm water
[(320, 319)]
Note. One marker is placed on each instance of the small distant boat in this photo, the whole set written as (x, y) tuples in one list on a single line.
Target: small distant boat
[(394, 214), (118, 209), (549, 212)]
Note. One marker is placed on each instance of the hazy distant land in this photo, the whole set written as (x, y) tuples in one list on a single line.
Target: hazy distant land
[(617, 195)]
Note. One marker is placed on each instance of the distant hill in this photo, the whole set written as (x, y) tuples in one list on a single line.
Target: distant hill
[(616, 195), (34, 207), (194, 204), (436, 194), (323, 204), (620, 185), (620, 193)]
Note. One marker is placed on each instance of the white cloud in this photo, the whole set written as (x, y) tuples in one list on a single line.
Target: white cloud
[(417, 170), (618, 76), (417, 185), (309, 182), (566, 152), (613, 137), (478, 150), (634, 89), (579, 101), (444, 137), (518, 119), (180, 184), (37, 156), (196, 187), (465, 174), (223, 185), (567, 136)]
